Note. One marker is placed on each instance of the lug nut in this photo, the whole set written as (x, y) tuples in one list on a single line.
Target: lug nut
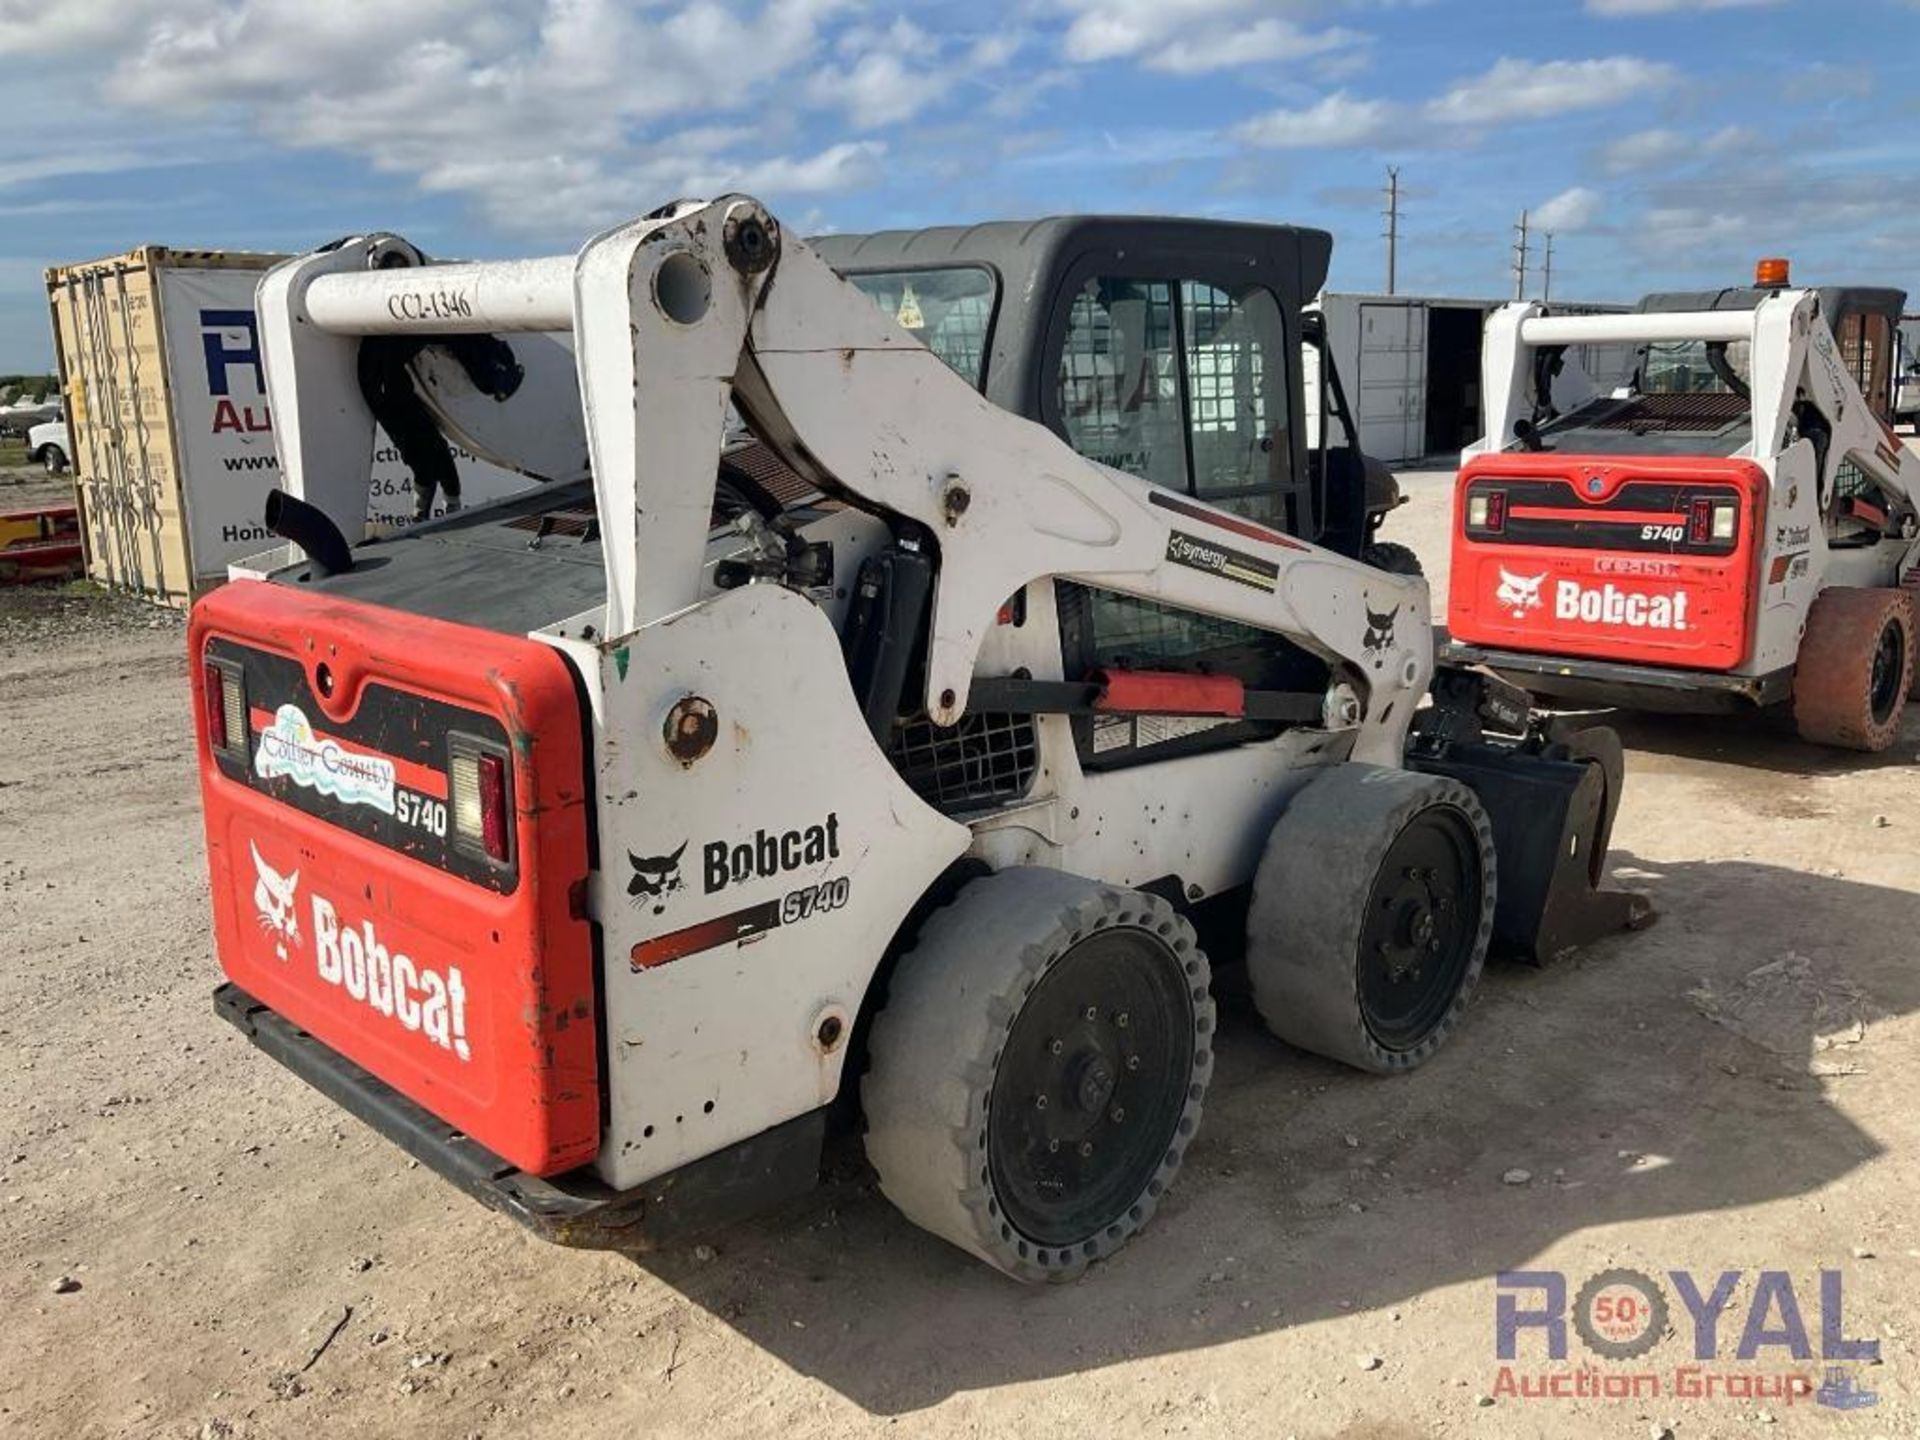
[(1118, 1113), (1092, 1013), (1121, 1020), (1086, 1148), (1053, 1147), (1039, 1102), (1133, 1062)]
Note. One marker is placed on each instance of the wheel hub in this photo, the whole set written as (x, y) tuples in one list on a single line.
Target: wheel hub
[(1093, 1083), (1090, 1084), (1423, 925)]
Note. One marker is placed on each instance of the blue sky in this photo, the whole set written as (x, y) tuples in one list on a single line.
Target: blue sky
[(1666, 142)]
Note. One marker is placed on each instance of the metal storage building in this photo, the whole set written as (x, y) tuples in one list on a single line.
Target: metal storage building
[(1411, 368)]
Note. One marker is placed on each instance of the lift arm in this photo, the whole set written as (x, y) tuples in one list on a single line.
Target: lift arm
[(674, 315)]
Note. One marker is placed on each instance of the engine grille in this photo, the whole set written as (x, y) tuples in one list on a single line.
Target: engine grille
[(568, 523), (985, 760), (1650, 414)]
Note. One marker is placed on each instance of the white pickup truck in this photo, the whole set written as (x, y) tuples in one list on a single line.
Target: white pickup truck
[(48, 444)]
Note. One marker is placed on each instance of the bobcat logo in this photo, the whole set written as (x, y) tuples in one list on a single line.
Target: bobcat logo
[(1379, 634), (273, 898), (655, 877), (1519, 593)]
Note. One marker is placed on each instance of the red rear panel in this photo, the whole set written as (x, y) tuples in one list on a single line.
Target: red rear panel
[(346, 896), (1602, 557)]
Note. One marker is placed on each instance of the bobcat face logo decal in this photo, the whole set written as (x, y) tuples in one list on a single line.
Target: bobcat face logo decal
[(273, 895), (655, 877), (1379, 634), (1519, 593)]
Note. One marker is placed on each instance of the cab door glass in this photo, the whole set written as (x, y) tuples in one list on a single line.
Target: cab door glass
[(1183, 384), (1237, 388), (1119, 380)]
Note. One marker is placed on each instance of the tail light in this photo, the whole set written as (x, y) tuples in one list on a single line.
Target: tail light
[(493, 807), (1699, 521), (482, 799), (226, 705), (1487, 510)]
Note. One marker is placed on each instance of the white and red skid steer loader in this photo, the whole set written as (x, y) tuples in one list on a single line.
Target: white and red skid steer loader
[(1737, 528), (593, 843)]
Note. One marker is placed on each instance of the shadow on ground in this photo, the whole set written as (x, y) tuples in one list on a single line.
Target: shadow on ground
[(1762, 740), (1647, 1077)]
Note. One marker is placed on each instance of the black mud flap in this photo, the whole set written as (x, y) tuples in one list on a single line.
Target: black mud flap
[(1552, 800), (575, 1209)]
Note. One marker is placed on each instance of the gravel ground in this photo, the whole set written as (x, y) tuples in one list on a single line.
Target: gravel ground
[(194, 1244)]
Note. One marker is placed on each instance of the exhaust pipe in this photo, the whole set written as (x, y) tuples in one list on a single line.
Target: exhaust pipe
[(309, 527)]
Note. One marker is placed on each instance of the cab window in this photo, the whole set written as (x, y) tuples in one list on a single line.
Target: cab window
[(1184, 384), (949, 311)]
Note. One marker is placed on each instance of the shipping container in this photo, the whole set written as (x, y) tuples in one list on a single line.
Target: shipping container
[(173, 449), (1410, 366)]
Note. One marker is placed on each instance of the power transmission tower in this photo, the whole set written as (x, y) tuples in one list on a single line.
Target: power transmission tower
[(1546, 273), (1520, 258), (1393, 226)]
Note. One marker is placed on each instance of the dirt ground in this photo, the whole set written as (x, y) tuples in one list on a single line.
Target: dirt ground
[(192, 1243)]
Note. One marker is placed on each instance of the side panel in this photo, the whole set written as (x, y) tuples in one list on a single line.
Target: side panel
[(746, 895), (1594, 559), (341, 896), (1390, 398)]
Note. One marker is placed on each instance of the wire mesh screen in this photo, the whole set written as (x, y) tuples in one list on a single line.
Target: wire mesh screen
[(985, 760), (1225, 368), (1119, 381)]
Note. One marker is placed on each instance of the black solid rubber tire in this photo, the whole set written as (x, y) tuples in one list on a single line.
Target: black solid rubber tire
[(1394, 559), (936, 1047), (1310, 905)]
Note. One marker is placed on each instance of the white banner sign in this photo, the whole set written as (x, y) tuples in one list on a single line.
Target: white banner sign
[(220, 415)]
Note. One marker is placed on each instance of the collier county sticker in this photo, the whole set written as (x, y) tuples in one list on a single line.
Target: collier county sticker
[(289, 747)]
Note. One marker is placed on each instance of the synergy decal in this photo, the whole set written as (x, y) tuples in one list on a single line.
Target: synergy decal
[(1222, 560), (273, 897), (743, 927), (1519, 593), (417, 996), (654, 877), (770, 853), (289, 747)]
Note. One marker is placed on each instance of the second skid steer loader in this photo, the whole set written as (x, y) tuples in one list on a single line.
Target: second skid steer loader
[(1738, 528), (598, 844)]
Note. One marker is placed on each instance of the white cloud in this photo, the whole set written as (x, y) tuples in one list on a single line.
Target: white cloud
[(1335, 122), (1615, 8), (1658, 149), (1641, 150), (1264, 42), (1535, 90), (1193, 37), (882, 85), (1570, 210)]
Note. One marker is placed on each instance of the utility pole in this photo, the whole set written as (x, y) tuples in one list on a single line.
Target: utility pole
[(1546, 278), (1393, 226), (1520, 258)]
